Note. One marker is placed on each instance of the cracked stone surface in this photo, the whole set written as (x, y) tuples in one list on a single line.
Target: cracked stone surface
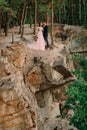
[(32, 86)]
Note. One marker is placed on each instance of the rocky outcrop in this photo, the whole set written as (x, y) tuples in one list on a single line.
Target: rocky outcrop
[(16, 109), (79, 45), (67, 32), (32, 86)]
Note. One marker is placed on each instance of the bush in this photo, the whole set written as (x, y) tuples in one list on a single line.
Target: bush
[(78, 94)]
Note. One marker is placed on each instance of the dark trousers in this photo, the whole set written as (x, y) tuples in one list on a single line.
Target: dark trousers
[(46, 40)]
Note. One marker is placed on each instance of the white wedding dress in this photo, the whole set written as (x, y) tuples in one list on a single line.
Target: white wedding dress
[(40, 43)]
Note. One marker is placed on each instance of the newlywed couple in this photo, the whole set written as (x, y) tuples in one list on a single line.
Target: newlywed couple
[(42, 38)]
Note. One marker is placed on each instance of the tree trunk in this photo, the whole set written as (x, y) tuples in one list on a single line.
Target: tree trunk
[(25, 15), (21, 23), (52, 21), (84, 3), (35, 17), (64, 12), (31, 20), (72, 12), (31, 17), (62, 16), (12, 37), (7, 23), (69, 11), (80, 12), (59, 15), (8, 15), (0, 22)]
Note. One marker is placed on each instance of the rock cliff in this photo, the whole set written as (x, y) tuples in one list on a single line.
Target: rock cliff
[(32, 87)]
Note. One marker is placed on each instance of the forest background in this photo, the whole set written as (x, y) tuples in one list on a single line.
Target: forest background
[(14, 12)]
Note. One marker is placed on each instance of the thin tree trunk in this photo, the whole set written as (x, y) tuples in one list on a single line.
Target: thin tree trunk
[(84, 3), (72, 12), (12, 37), (62, 16), (25, 15), (8, 15), (0, 22), (67, 19), (31, 19), (52, 21), (69, 8), (80, 11), (59, 15), (35, 17), (21, 23), (7, 23), (64, 12)]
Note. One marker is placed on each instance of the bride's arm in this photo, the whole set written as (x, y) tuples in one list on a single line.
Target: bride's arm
[(37, 30)]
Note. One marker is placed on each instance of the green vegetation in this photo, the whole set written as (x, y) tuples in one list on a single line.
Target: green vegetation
[(65, 11), (78, 94)]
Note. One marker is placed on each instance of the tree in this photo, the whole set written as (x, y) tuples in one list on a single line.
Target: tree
[(35, 17), (65, 11), (24, 15), (3, 7), (8, 14), (52, 21), (80, 11)]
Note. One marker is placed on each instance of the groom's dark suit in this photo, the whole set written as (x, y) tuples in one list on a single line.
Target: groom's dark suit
[(45, 34)]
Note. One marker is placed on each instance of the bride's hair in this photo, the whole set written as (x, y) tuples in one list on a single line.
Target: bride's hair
[(40, 24)]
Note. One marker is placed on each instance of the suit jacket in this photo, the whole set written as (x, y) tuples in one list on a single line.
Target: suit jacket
[(45, 31)]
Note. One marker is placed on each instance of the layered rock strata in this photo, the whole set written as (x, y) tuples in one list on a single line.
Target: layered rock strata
[(32, 86)]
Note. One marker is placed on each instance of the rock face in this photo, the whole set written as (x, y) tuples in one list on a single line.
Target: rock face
[(17, 112), (79, 45), (32, 86)]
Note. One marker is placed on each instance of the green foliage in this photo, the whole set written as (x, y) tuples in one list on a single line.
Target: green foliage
[(18, 5), (42, 8), (78, 94), (3, 2), (27, 21), (65, 11), (3, 5)]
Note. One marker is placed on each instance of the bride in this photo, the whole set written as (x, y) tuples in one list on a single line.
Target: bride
[(40, 43)]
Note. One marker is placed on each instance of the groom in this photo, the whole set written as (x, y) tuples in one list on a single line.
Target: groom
[(45, 34)]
